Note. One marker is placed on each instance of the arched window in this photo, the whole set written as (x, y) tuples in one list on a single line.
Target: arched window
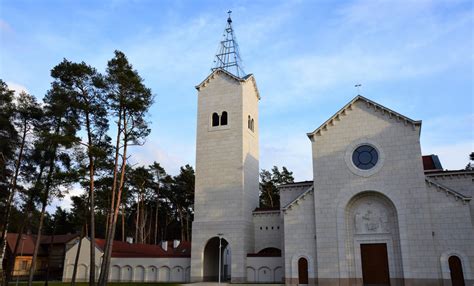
[(224, 118), (248, 122), (251, 124), (302, 271), (455, 267), (215, 119)]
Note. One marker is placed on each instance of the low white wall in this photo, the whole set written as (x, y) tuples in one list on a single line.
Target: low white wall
[(150, 269), (122, 269), (265, 269)]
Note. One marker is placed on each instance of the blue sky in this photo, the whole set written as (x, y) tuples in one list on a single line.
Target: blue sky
[(415, 57)]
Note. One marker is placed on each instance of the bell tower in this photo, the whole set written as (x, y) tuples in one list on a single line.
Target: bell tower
[(227, 167)]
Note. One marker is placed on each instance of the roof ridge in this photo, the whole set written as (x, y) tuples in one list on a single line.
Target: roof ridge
[(239, 79), (369, 102), (448, 190)]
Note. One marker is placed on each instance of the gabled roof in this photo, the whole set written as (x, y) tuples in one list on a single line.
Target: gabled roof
[(448, 190), (298, 198), (232, 76), (125, 249), (29, 241), (392, 114)]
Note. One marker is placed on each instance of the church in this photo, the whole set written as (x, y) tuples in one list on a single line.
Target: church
[(376, 212)]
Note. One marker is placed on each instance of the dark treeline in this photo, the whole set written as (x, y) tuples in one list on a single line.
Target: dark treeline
[(78, 138)]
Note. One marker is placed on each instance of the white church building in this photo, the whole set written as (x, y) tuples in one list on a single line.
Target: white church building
[(376, 212)]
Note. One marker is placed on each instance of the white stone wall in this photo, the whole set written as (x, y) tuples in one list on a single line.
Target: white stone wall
[(452, 232), (398, 176), (83, 262), (268, 230), (462, 182), (265, 269), (150, 269), (127, 269), (291, 192), (226, 171), (300, 238)]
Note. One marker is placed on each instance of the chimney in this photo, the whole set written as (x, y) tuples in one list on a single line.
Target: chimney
[(176, 243), (129, 239), (164, 245)]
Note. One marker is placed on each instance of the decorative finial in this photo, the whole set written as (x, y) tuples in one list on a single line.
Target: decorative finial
[(358, 88), (228, 55)]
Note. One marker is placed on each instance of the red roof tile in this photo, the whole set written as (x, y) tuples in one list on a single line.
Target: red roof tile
[(125, 249), (26, 246)]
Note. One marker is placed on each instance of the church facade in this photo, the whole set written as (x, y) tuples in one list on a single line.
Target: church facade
[(376, 211), (374, 214)]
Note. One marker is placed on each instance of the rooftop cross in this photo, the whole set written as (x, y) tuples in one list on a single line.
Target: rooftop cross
[(228, 55)]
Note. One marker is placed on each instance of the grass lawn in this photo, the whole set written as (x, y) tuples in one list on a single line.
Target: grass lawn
[(56, 283)]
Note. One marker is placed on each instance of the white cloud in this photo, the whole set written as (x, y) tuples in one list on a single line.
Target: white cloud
[(171, 157), (18, 88)]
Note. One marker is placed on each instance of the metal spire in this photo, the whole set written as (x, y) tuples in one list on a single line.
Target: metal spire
[(228, 55)]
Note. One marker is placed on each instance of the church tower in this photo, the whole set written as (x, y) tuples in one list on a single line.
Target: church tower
[(227, 167)]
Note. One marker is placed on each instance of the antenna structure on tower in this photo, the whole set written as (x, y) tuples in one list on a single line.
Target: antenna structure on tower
[(228, 55)]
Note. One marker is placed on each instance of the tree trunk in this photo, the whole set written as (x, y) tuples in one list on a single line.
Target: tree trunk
[(92, 202), (76, 260), (104, 265), (37, 243), (156, 220), (137, 219), (11, 195), (49, 255), (123, 222), (110, 237), (11, 262), (180, 213)]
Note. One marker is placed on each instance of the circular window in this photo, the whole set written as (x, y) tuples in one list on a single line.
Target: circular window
[(365, 157)]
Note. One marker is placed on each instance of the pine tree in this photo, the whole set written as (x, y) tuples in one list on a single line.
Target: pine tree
[(56, 135), (85, 87), (129, 101)]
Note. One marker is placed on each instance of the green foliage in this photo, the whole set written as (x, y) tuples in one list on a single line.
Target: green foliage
[(269, 182), (8, 137), (470, 165)]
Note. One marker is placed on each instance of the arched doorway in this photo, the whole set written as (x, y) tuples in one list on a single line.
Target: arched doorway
[(372, 238), (211, 260), (302, 271), (455, 267)]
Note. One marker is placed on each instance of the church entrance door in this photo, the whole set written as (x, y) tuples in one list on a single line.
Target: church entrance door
[(211, 260), (302, 271), (455, 267), (375, 264)]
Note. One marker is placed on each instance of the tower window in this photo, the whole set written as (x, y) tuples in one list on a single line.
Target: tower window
[(250, 123), (215, 119), (224, 118)]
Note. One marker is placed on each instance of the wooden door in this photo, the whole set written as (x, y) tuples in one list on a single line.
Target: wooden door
[(455, 267), (303, 271), (375, 264)]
